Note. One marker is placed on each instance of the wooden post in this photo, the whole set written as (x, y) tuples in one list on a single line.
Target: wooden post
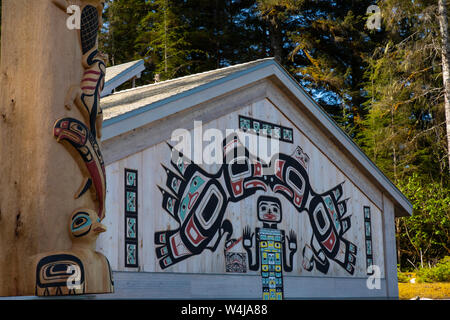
[(48, 224)]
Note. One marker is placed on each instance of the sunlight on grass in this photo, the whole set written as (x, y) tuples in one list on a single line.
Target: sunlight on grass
[(438, 290)]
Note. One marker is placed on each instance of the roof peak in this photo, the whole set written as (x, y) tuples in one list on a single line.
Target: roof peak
[(240, 65)]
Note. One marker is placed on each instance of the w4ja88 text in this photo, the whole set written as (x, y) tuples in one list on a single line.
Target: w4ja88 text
[(228, 309), (243, 310)]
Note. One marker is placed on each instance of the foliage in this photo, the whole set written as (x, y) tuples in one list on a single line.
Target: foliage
[(122, 20), (439, 273), (402, 277), (163, 38), (331, 47), (425, 236), (181, 37), (276, 15), (404, 130), (323, 43)]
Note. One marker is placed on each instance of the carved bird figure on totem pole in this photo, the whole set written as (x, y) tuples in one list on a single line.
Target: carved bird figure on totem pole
[(80, 269)]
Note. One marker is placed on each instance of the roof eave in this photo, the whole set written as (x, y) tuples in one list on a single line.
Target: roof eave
[(269, 68), (134, 70)]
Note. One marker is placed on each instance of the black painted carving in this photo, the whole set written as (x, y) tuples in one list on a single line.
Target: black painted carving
[(368, 238), (54, 275), (89, 28), (197, 200), (267, 129), (131, 218)]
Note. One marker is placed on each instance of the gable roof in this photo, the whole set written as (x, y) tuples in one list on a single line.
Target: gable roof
[(133, 108), (117, 75), (134, 101)]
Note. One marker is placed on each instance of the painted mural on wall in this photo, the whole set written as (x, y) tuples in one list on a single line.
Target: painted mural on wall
[(235, 262), (270, 247), (368, 238), (91, 268), (197, 200), (131, 218), (266, 128)]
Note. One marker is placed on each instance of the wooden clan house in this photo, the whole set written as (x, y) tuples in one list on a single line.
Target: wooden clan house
[(305, 222)]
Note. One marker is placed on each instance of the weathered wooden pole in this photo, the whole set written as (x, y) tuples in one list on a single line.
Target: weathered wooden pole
[(445, 45), (50, 123)]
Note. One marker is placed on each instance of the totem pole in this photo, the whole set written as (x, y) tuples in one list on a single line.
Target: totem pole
[(52, 194)]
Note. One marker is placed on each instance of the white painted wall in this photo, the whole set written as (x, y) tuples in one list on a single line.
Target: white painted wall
[(323, 175)]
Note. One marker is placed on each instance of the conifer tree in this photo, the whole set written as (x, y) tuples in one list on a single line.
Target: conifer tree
[(122, 19), (277, 14), (331, 46), (163, 38), (404, 131), (405, 128)]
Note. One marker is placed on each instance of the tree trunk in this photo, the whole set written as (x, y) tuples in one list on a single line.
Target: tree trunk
[(276, 38), (166, 7), (443, 25), (33, 193)]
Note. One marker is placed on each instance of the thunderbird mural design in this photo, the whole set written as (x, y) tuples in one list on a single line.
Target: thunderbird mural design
[(197, 200)]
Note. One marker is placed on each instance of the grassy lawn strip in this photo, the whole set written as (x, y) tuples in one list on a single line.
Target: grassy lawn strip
[(437, 290)]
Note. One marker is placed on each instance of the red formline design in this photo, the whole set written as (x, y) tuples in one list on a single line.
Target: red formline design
[(234, 243)]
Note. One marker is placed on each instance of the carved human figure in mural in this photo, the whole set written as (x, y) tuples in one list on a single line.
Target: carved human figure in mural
[(79, 270), (197, 200), (270, 248)]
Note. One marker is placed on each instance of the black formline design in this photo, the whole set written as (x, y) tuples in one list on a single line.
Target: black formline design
[(89, 28), (131, 218), (53, 275), (368, 237), (258, 126), (197, 200)]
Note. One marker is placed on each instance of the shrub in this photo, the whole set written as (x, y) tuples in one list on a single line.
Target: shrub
[(439, 273), (402, 277)]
